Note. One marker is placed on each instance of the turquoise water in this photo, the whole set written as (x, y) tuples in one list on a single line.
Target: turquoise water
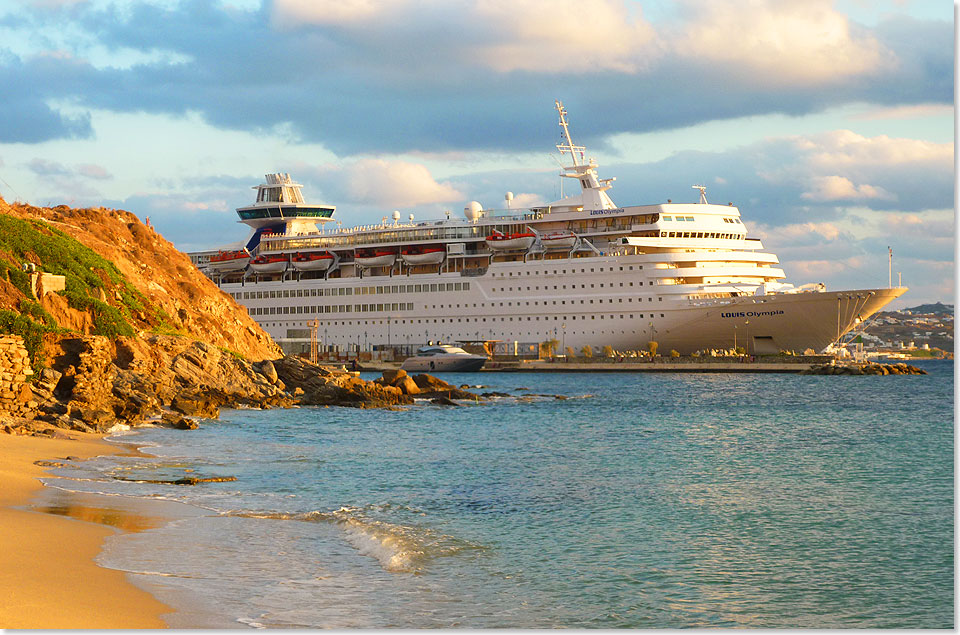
[(643, 500)]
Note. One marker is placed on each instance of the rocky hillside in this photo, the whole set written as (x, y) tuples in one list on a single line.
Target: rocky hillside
[(122, 279)]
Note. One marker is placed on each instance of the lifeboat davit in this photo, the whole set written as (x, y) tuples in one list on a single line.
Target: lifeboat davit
[(423, 255), (520, 241), (316, 261), (229, 261), (375, 258), (558, 241), (269, 264)]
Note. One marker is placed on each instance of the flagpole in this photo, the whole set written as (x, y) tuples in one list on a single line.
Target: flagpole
[(890, 264)]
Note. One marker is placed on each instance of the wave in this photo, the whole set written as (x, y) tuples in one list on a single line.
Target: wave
[(398, 548)]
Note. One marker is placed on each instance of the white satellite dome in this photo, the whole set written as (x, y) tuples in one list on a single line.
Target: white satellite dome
[(473, 211)]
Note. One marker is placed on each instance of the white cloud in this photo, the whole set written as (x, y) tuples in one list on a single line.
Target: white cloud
[(390, 183), (564, 36), (914, 111), (839, 148), (93, 171), (779, 42), (834, 188), (291, 13)]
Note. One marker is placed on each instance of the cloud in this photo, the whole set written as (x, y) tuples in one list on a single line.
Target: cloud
[(292, 13), (467, 74), (92, 171), (912, 111), (780, 43), (388, 183), (547, 35), (836, 188), (42, 167)]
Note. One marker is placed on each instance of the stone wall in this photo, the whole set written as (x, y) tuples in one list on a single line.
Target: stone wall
[(16, 396)]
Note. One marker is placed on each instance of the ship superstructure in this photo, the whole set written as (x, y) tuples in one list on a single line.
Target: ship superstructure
[(580, 270)]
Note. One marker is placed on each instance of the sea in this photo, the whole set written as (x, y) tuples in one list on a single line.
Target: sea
[(580, 500)]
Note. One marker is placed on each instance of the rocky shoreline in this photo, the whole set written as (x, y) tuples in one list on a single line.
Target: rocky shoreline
[(865, 368), (94, 383)]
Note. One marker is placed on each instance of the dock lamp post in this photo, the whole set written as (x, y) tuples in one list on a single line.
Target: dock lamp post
[(746, 333), (564, 327), (364, 340)]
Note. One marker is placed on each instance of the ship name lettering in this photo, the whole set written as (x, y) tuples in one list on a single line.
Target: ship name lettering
[(752, 313), (601, 212)]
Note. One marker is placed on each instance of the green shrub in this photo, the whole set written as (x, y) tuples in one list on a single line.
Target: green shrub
[(14, 323)]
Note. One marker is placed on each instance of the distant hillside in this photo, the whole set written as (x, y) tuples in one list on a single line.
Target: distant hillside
[(122, 278), (938, 308)]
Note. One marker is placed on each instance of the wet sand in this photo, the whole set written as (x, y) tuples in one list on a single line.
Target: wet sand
[(48, 576)]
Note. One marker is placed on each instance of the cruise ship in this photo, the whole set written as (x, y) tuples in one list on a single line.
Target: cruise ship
[(581, 270)]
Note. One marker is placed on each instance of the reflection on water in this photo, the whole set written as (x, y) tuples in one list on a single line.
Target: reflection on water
[(123, 516)]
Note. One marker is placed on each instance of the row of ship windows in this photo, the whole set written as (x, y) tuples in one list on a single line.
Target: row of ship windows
[(563, 286), (404, 306), (554, 318), (331, 308), (509, 274), (690, 219), (338, 291), (664, 234)]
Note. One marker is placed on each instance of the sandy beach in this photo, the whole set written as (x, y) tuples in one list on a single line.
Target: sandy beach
[(48, 576)]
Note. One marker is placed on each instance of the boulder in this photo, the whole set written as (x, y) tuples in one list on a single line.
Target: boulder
[(407, 386), (429, 383), (268, 370), (390, 377)]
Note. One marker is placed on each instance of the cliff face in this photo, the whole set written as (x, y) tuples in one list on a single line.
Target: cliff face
[(144, 282)]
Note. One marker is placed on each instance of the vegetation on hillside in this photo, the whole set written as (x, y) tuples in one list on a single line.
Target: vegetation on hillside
[(90, 282)]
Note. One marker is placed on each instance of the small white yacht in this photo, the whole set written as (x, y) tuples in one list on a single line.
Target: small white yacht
[(443, 358)]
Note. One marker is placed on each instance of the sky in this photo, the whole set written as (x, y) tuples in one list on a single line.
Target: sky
[(829, 123)]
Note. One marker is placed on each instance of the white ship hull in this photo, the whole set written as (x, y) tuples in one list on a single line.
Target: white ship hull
[(603, 309), (684, 275), (444, 364)]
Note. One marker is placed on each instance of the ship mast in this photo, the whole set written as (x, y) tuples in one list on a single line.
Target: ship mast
[(568, 146)]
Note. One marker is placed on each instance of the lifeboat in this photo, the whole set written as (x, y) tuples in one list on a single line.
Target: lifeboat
[(316, 261), (229, 261), (269, 264), (558, 241), (375, 258), (423, 255), (510, 242)]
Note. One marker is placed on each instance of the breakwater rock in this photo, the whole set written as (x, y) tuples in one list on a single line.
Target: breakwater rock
[(864, 369)]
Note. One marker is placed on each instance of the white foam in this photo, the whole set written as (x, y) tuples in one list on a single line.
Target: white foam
[(395, 552)]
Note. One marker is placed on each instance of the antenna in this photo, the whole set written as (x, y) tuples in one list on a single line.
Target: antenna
[(890, 265), (568, 146), (703, 193)]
